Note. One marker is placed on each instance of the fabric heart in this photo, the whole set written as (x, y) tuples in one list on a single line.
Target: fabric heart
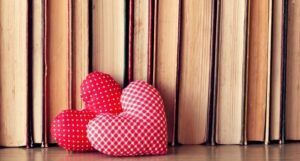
[(101, 93), (139, 130), (69, 129)]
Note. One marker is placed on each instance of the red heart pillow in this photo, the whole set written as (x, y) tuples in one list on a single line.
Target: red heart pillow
[(69, 129), (139, 130), (101, 94)]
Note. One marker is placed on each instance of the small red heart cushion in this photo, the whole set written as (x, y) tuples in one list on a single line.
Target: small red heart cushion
[(69, 129), (139, 130), (101, 93)]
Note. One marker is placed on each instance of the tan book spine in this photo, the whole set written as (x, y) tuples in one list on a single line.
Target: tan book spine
[(166, 59), (276, 70), (57, 61), (37, 69), (267, 127), (109, 38), (195, 76), (13, 73), (141, 40), (293, 72), (231, 72), (80, 48)]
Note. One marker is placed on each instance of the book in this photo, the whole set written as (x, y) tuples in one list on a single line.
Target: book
[(57, 62), (277, 70), (140, 39), (231, 72), (258, 69), (108, 37), (292, 117), (37, 68), (195, 71), (13, 73), (79, 47), (166, 59)]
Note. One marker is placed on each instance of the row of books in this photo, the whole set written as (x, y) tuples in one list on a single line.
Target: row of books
[(227, 70)]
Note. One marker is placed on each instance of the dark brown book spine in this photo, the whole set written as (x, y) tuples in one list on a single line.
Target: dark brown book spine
[(284, 66), (29, 141), (178, 71), (214, 75), (150, 41)]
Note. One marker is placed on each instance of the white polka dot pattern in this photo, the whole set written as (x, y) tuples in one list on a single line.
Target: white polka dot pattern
[(101, 93), (139, 130), (69, 129)]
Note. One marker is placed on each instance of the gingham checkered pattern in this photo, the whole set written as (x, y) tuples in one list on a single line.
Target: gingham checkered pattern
[(69, 129), (101, 93), (139, 130)]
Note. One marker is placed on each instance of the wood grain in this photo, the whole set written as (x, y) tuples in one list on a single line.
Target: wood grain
[(293, 72), (287, 152), (196, 55), (231, 72), (13, 72)]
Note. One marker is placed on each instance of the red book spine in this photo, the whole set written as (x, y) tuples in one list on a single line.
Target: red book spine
[(130, 41)]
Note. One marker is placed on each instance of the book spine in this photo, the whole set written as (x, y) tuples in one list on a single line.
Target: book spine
[(284, 68), (245, 105), (70, 55), (155, 34), (150, 41), (214, 75), (46, 83), (29, 141), (130, 41), (178, 71), (267, 127)]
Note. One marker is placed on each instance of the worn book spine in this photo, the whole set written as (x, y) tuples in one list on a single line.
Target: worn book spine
[(130, 41), (284, 71)]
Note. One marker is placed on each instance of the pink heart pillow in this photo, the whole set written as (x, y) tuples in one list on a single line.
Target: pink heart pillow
[(101, 94), (139, 130)]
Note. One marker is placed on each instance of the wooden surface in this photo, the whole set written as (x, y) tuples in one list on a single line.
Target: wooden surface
[(188, 153)]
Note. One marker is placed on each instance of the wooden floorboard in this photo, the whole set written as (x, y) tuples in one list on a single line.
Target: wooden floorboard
[(286, 152)]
